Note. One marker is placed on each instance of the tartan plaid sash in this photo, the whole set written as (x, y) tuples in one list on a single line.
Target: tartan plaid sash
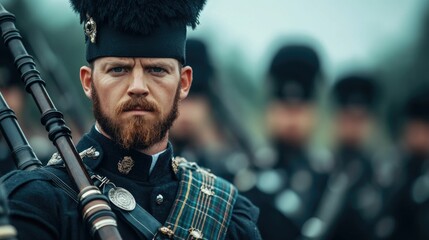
[(203, 205)]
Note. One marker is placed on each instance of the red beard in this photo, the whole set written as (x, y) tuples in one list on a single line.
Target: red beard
[(138, 132)]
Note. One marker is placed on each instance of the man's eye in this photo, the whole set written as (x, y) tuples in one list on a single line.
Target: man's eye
[(117, 70), (158, 70)]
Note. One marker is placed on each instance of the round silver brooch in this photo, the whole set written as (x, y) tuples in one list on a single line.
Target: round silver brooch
[(122, 198)]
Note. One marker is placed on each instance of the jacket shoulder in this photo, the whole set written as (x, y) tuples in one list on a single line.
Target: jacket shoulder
[(244, 219), (35, 197), (47, 179)]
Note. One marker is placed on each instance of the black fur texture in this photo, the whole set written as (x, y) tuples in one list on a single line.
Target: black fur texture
[(140, 16)]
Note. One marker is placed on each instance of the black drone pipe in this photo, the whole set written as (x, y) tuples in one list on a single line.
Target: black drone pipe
[(22, 153), (95, 207)]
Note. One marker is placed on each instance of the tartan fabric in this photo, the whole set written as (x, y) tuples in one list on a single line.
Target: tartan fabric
[(203, 205)]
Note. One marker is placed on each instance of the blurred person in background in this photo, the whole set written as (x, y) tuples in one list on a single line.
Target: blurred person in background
[(352, 195), (408, 204), (200, 132), (195, 130), (288, 187)]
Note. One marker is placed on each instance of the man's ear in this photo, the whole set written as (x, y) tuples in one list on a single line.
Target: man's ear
[(86, 79), (185, 81)]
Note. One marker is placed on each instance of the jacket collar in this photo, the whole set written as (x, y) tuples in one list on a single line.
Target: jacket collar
[(111, 153)]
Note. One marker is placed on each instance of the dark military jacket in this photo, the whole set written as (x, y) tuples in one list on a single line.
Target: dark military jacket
[(39, 209), (287, 194), (408, 207), (360, 206)]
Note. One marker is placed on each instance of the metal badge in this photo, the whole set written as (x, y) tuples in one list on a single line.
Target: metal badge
[(159, 199), (208, 190), (176, 162), (166, 231), (195, 233), (125, 165), (122, 198), (89, 152), (206, 172), (90, 29), (55, 159)]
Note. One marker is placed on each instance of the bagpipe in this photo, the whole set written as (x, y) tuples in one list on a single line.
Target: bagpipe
[(94, 205)]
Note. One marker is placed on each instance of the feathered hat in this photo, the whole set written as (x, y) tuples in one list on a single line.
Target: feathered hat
[(293, 72), (137, 28), (197, 56), (356, 90)]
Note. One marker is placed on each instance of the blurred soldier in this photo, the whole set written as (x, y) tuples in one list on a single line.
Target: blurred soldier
[(204, 132), (197, 134), (409, 205), (358, 202), (288, 188), (189, 130)]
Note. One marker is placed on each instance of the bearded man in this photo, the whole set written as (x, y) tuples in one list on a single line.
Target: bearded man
[(136, 77)]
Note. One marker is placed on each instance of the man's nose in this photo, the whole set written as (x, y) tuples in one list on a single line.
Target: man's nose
[(138, 85)]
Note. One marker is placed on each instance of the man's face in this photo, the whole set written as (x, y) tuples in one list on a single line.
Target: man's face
[(353, 126), (135, 99), (415, 138), (194, 117), (290, 123)]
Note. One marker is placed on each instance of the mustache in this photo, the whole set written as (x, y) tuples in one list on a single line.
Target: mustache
[(137, 103)]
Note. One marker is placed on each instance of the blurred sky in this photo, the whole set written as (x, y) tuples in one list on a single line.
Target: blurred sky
[(351, 31)]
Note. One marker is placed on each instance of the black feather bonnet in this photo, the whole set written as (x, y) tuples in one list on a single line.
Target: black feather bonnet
[(136, 28)]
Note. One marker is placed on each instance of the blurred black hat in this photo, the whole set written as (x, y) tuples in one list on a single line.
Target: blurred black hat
[(355, 90), (137, 28), (293, 72), (198, 58), (417, 106)]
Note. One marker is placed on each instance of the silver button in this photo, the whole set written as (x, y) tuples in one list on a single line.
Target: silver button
[(159, 199), (195, 234)]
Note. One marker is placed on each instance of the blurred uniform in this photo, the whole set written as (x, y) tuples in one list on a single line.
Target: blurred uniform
[(408, 208), (199, 133), (352, 189), (195, 122), (288, 185)]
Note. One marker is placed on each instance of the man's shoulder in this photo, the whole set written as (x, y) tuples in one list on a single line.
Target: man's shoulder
[(210, 181), (244, 220), (244, 214), (207, 201), (17, 178), (45, 179), (246, 206)]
